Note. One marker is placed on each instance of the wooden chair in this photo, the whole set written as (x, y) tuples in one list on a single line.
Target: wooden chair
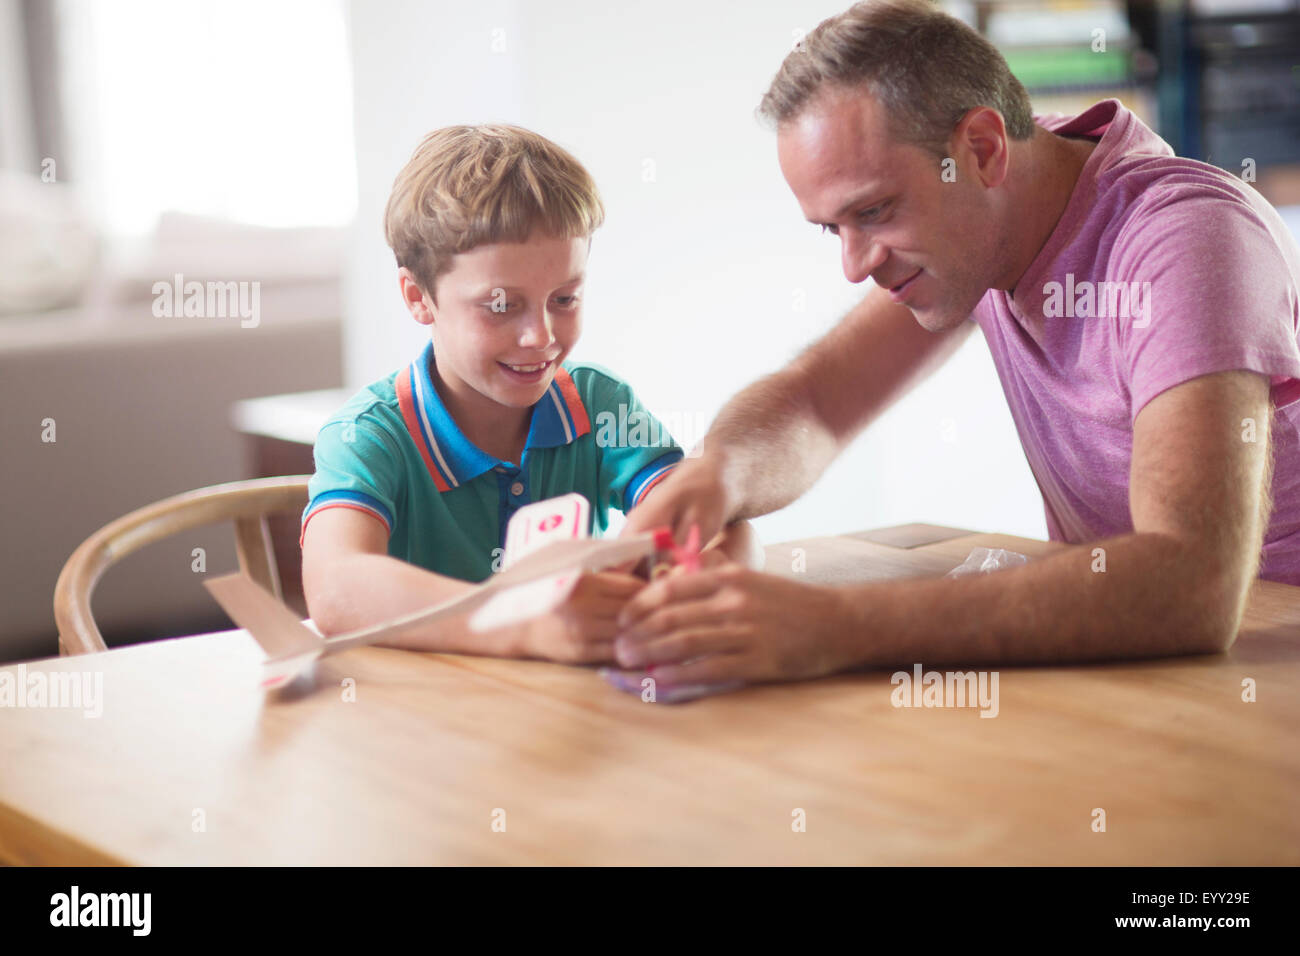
[(247, 503)]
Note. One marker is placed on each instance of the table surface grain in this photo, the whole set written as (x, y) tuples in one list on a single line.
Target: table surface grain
[(192, 763)]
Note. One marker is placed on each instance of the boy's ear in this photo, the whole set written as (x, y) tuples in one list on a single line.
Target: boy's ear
[(417, 301)]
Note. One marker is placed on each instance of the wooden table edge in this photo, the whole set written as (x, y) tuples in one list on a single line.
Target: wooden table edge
[(25, 841)]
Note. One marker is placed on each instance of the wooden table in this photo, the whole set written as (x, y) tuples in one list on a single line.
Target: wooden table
[(418, 767)]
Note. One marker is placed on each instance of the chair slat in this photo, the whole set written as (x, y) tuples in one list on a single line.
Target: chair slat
[(246, 503), (256, 555)]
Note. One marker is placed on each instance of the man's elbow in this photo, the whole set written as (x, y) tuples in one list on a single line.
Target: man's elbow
[(1215, 638), (1217, 616)]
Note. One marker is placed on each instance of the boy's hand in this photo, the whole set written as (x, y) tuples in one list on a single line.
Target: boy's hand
[(582, 629), (692, 494)]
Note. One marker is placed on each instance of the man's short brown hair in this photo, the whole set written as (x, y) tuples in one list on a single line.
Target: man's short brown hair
[(928, 69), (466, 186)]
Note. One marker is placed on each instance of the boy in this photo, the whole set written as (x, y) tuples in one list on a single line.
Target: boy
[(419, 473)]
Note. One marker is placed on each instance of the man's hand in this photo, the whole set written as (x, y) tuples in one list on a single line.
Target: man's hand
[(693, 493), (728, 623), (582, 629)]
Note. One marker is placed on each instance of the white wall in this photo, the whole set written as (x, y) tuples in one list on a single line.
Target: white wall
[(417, 65), (237, 111), (17, 150), (705, 275)]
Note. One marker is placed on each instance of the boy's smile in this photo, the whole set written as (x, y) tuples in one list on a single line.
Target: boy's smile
[(503, 319)]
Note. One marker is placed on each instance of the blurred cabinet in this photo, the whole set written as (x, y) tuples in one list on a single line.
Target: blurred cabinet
[(279, 434), (1219, 80), (1249, 70)]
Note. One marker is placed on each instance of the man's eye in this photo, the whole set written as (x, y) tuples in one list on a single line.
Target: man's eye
[(868, 214), (566, 301)]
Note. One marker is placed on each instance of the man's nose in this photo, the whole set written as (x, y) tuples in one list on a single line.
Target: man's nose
[(860, 256)]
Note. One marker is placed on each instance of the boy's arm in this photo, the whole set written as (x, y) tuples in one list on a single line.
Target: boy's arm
[(350, 581)]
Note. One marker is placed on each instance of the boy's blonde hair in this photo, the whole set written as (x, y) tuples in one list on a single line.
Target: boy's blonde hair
[(465, 186)]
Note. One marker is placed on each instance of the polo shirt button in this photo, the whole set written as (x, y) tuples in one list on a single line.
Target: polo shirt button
[(517, 488)]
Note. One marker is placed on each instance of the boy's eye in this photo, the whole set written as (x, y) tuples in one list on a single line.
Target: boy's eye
[(833, 230), (566, 301), (501, 306)]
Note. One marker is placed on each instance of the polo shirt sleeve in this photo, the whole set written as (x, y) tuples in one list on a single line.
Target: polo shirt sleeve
[(1220, 296), (636, 450), (357, 466)]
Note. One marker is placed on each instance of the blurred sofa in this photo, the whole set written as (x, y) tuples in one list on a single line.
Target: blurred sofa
[(141, 409)]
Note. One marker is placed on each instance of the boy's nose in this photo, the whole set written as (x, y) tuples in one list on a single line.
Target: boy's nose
[(537, 332)]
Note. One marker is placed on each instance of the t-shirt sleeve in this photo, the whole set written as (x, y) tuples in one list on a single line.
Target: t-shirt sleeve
[(357, 466), (1214, 294), (636, 450)]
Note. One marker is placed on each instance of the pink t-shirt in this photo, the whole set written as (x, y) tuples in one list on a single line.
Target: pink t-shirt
[(1160, 270)]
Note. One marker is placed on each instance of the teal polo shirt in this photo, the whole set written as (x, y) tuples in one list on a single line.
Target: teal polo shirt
[(394, 452)]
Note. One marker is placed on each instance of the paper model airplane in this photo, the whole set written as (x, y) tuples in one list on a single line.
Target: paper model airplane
[(547, 551)]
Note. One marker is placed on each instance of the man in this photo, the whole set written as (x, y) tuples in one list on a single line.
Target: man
[(1142, 314)]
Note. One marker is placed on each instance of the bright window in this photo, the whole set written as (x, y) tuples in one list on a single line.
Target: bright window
[(240, 110)]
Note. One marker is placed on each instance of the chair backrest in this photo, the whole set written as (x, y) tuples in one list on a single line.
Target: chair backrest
[(247, 503)]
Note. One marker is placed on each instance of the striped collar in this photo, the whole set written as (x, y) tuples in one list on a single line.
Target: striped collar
[(452, 459)]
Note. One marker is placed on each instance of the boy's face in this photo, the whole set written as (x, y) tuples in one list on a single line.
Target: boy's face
[(505, 317)]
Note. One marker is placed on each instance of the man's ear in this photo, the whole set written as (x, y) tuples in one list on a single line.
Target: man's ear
[(417, 301), (983, 135)]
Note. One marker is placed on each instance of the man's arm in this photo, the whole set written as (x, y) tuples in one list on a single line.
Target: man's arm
[(739, 542), (1199, 497), (776, 437)]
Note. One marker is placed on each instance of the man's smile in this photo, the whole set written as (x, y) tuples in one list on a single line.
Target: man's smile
[(899, 292)]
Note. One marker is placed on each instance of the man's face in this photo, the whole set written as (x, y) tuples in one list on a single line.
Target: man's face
[(505, 317), (927, 241)]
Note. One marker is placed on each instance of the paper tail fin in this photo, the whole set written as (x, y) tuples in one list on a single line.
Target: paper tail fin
[(275, 627)]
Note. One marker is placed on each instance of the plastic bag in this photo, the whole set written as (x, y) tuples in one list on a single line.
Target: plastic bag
[(987, 560)]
